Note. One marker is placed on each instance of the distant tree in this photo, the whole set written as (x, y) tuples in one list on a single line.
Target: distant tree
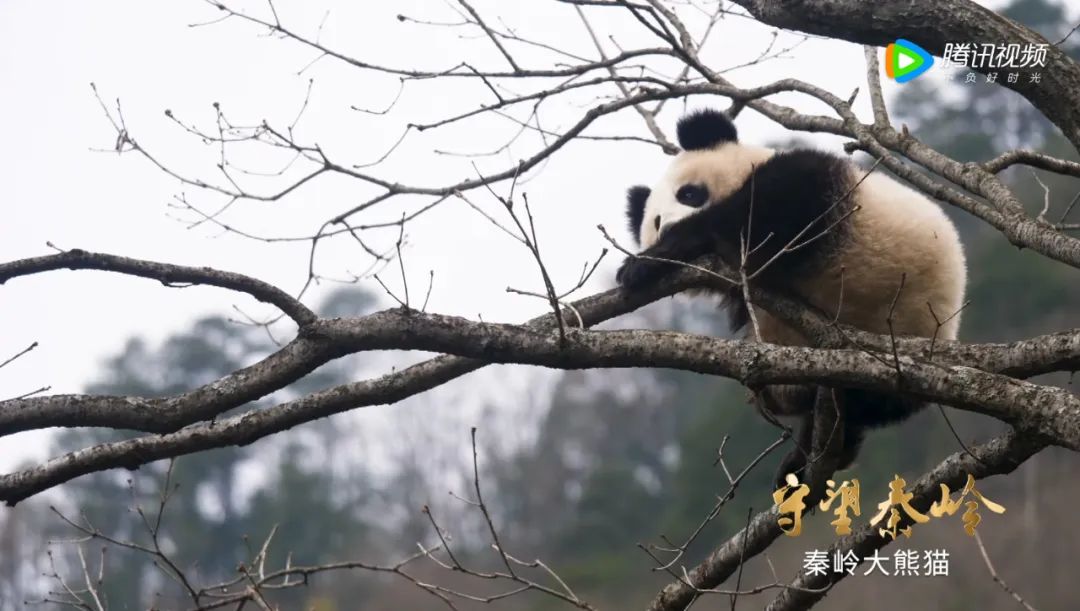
[(312, 515)]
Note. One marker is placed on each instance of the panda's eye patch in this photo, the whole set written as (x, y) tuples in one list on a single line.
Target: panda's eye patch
[(692, 195), (656, 223)]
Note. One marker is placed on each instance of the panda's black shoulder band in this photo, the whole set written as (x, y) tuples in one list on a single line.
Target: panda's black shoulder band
[(704, 129)]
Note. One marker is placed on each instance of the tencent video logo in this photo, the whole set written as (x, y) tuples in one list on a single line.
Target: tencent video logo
[(905, 60)]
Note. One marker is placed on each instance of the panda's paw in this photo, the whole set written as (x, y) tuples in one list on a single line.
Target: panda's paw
[(794, 463), (636, 272)]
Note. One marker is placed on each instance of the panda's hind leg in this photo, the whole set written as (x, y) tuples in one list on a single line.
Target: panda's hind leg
[(795, 461), (864, 410), (790, 400), (834, 436), (860, 410)]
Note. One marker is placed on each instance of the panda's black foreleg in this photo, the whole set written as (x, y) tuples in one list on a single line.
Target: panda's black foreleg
[(789, 400), (682, 242)]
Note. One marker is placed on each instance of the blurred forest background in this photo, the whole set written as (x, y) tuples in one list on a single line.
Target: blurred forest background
[(604, 460)]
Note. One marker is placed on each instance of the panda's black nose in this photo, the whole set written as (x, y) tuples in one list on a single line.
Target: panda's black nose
[(664, 227)]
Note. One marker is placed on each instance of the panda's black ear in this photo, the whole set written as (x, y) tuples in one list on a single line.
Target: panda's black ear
[(704, 129), (635, 209)]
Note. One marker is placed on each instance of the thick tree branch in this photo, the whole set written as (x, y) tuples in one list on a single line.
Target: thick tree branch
[(932, 24), (322, 341), (1048, 412), (296, 359), (1030, 357), (163, 415)]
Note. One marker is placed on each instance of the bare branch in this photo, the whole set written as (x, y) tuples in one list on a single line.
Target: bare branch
[(18, 355), (873, 78), (997, 579), (1034, 159), (166, 273)]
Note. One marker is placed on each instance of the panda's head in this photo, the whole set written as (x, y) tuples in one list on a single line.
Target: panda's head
[(711, 166)]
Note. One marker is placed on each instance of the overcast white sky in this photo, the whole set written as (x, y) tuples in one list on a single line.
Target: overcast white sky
[(53, 187)]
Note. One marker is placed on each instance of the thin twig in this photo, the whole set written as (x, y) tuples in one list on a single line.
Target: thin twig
[(997, 579)]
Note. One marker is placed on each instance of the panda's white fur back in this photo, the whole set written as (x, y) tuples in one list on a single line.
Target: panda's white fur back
[(896, 235)]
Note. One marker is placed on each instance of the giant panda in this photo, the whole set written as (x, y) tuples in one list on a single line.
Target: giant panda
[(826, 231)]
